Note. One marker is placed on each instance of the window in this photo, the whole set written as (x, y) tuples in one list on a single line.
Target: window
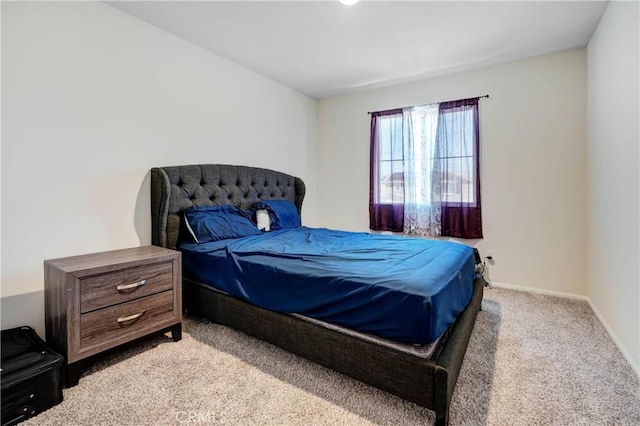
[(390, 188), (425, 160), (455, 158)]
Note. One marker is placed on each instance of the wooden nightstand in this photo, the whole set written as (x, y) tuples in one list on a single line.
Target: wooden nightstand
[(96, 302)]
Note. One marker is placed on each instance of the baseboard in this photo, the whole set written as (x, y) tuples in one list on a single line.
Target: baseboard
[(614, 337), (540, 291)]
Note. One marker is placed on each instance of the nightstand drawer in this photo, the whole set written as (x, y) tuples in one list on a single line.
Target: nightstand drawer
[(121, 286), (108, 324)]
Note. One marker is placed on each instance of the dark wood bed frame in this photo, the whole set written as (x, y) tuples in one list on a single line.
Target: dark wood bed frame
[(428, 381)]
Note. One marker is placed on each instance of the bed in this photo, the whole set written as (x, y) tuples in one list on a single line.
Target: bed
[(422, 373)]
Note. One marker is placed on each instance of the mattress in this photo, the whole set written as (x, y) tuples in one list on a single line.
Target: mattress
[(404, 289)]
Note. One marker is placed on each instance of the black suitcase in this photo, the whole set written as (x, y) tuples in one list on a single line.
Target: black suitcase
[(31, 375)]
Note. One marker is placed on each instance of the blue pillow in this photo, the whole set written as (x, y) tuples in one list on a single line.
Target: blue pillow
[(283, 213), (214, 223)]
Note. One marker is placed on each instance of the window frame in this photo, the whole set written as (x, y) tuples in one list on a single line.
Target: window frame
[(474, 157)]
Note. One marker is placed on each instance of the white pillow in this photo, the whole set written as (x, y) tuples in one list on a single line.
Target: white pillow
[(264, 222)]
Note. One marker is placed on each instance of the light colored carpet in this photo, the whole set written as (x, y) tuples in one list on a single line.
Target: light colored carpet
[(532, 360)]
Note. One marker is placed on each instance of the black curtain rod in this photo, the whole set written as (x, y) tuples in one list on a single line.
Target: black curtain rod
[(478, 97)]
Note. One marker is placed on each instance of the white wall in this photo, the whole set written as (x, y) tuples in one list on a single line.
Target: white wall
[(613, 177), (93, 98), (533, 163)]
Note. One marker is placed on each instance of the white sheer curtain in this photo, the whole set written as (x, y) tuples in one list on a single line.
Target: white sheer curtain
[(421, 209)]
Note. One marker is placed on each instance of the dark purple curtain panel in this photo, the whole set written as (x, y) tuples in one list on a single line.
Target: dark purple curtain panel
[(458, 154), (384, 213)]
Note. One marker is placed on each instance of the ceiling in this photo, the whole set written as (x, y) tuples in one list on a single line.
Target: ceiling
[(323, 48)]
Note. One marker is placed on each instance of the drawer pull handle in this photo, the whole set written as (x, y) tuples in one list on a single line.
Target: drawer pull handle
[(123, 287), (131, 317)]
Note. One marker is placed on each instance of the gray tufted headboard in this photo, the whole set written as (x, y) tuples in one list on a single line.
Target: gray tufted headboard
[(176, 188)]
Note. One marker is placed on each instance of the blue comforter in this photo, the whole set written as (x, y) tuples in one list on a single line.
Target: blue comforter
[(401, 288)]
